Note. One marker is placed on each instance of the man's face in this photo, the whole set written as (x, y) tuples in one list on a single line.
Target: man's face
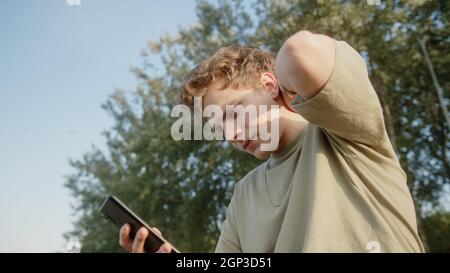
[(247, 136)]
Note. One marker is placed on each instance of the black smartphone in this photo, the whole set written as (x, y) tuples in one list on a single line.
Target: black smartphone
[(119, 214)]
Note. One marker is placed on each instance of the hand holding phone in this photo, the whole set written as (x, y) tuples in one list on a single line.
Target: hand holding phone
[(137, 245), (135, 234)]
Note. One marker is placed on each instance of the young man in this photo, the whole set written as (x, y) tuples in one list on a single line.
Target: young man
[(334, 183)]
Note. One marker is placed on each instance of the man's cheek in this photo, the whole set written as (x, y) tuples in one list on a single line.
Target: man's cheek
[(269, 134)]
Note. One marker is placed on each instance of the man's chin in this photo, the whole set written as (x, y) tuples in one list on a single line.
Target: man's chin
[(261, 155)]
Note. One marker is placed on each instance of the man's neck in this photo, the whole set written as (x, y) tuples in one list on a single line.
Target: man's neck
[(292, 124)]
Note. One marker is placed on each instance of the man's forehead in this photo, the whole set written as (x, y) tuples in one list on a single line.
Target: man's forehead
[(219, 97)]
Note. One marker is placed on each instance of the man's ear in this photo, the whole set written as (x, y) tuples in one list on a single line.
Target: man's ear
[(270, 84)]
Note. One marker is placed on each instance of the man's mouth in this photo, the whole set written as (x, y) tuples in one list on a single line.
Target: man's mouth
[(246, 144)]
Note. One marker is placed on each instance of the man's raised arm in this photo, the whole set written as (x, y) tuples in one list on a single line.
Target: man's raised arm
[(304, 63)]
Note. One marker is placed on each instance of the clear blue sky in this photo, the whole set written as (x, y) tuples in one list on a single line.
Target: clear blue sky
[(58, 64)]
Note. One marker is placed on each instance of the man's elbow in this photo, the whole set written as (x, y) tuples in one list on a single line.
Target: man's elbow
[(292, 58), (310, 57), (300, 40)]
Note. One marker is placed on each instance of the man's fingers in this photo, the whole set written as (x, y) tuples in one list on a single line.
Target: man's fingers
[(137, 245), (287, 99), (125, 240), (139, 240), (165, 248), (157, 231)]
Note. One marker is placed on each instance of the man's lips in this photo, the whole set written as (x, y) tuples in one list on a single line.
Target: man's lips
[(246, 144)]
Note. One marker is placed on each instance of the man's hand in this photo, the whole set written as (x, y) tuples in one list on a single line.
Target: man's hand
[(137, 245), (286, 98)]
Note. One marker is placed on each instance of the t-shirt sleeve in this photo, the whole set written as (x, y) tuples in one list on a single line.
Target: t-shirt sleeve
[(347, 105), (229, 241)]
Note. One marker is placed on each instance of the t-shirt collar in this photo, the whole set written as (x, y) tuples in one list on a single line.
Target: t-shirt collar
[(280, 156)]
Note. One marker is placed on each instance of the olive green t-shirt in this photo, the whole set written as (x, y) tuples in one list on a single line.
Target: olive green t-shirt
[(338, 187)]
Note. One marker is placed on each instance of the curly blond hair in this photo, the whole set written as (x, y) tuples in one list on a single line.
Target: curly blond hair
[(237, 65)]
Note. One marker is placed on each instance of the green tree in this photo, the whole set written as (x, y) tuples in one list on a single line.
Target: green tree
[(183, 187), (437, 228)]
